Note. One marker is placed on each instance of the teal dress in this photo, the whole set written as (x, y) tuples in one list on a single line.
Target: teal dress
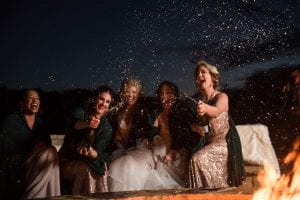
[(103, 134), (81, 174)]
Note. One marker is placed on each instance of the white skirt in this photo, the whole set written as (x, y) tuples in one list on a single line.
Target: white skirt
[(142, 168)]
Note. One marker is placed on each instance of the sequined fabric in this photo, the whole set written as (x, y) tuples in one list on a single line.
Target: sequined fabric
[(78, 178), (208, 166)]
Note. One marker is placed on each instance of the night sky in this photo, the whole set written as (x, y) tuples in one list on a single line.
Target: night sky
[(61, 45)]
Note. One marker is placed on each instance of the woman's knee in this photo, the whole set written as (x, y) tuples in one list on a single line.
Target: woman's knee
[(49, 154)]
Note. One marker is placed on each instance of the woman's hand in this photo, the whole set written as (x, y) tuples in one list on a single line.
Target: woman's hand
[(198, 129), (88, 152), (171, 156), (201, 108), (93, 122), (221, 105), (83, 150)]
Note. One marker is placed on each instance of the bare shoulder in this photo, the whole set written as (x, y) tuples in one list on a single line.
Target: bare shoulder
[(222, 96), (222, 101)]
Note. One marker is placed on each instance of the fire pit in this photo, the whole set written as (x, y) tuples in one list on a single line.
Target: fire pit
[(286, 187), (182, 194)]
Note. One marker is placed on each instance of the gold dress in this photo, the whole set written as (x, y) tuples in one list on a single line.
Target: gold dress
[(208, 166)]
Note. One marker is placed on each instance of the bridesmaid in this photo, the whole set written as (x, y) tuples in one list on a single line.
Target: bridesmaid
[(208, 166), (29, 159), (83, 154)]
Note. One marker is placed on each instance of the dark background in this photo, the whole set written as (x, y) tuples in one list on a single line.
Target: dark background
[(59, 45), (66, 49)]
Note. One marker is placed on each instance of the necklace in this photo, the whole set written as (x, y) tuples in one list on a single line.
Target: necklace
[(208, 98)]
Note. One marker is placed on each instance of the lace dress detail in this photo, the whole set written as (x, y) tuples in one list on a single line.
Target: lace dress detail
[(208, 166)]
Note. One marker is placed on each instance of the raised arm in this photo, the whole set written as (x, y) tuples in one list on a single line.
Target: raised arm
[(220, 106)]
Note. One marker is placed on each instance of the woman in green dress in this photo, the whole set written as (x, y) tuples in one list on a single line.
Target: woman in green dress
[(83, 154), (28, 161)]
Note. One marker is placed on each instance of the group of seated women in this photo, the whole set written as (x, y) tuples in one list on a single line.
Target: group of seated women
[(128, 145)]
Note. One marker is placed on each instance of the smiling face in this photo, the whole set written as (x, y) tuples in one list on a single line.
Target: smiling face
[(203, 78), (102, 103), (131, 95), (31, 102), (166, 96)]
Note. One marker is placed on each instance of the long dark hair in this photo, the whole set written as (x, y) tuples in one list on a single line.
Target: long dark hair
[(173, 87)]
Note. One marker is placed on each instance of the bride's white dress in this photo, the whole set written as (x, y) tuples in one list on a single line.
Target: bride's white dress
[(168, 175), (142, 167)]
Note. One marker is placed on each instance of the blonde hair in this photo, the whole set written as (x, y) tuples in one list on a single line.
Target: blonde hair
[(212, 70), (129, 82)]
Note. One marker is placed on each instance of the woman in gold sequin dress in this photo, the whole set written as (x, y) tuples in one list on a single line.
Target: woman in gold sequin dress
[(208, 167)]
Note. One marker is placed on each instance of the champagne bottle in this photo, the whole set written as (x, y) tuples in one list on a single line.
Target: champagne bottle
[(91, 136), (86, 137), (206, 129), (203, 121), (91, 133)]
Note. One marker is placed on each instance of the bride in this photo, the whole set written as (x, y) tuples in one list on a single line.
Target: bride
[(130, 160)]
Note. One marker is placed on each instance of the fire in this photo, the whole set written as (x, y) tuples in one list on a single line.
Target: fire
[(285, 187)]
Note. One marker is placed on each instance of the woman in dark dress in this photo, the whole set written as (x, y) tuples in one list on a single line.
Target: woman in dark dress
[(83, 155), (29, 162)]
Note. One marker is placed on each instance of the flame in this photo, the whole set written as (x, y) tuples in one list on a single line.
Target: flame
[(286, 187)]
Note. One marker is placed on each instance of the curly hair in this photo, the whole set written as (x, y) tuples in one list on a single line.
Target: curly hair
[(173, 87), (129, 82)]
